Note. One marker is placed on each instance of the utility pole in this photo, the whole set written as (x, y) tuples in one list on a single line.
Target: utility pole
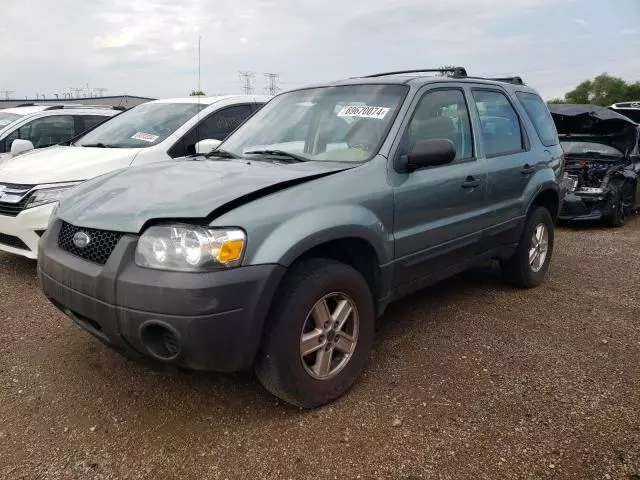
[(7, 94), (199, 42), (247, 81), (272, 83)]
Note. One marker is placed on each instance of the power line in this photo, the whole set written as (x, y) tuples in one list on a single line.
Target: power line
[(272, 83), (247, 81)]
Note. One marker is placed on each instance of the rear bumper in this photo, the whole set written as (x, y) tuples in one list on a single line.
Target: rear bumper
[(216, 318), (20, 234)]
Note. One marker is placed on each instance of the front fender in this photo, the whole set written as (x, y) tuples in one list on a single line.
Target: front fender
[(311, 228)]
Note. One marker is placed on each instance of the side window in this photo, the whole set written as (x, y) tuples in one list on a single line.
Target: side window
[(91, 121), (219, 125), (216, 126), (500, 124), (45, 131), (8, 140), (539, 115), (442, 114)]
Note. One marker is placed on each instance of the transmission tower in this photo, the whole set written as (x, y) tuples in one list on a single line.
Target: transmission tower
[(247, 81), (7, 94), (76, 92), (272, 83)]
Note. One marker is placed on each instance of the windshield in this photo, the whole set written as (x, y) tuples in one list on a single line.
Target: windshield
[(338, 124), (7, 118), (590, 148), (142, 126)]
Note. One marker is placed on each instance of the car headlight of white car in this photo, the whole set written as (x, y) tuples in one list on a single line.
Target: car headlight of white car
[(190, 248), (46, 195)]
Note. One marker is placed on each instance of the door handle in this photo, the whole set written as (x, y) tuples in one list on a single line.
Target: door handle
[(527, 169), (471, 182)]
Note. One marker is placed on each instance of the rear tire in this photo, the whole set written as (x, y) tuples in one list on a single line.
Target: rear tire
[(527, 268), (315, 286)]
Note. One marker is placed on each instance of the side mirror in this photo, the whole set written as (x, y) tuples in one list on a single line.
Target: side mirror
[(429, 153), (19, 146), (205, 146)]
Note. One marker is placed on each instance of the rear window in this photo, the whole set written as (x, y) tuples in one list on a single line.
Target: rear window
[(539, 115)]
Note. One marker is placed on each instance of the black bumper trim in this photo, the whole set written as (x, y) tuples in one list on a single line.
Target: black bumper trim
[(219, 316)]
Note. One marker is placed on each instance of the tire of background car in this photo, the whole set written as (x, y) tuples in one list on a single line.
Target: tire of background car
[(622, 202), (298, 319), (526, 268)]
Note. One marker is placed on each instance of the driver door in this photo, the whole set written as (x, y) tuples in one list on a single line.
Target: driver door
[(440, 211)]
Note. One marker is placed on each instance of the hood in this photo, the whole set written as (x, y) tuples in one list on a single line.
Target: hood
[(187, 189), (595, 124), (588, 119), (64, 164)]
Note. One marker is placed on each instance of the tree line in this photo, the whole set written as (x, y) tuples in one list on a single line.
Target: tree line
[(604, 90)]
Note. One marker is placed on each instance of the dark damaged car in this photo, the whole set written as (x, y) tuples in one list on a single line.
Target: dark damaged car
[(602, 163)]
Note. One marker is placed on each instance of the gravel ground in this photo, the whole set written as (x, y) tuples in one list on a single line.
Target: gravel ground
[(469, 379)]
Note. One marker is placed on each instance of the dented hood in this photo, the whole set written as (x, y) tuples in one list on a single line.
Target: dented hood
[(573, 119), (189, 189)]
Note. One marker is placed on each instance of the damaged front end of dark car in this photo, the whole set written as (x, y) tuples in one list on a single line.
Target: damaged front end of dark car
[(602, 163)]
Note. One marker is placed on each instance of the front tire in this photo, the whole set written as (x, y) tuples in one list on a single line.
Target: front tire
[(622, 204), (318, 335), (529, 264)]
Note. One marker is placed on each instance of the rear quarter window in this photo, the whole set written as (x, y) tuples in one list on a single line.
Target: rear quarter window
[(539, 115)]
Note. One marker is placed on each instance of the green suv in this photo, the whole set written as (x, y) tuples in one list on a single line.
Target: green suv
[(280, 248)]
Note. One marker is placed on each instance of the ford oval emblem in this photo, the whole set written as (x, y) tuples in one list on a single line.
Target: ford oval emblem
[(81, 239)]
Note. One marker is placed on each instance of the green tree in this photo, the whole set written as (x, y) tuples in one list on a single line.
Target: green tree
[(603, 90), (197, 93)]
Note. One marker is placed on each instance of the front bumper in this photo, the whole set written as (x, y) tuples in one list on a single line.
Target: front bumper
[(585, 206), (20, 234), (216, 318)]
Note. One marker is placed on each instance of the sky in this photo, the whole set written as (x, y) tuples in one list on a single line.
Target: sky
[(150, 47)]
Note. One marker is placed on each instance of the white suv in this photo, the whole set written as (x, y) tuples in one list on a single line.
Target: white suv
[(37, 126), (32, 183)]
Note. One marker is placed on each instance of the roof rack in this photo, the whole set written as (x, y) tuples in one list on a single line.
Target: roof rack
[(514, 80), (458, 72), (58, 106)]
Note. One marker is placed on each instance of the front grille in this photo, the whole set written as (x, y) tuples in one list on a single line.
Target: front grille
[(13, 209), (11, 241), (13, 198), (99, 248)]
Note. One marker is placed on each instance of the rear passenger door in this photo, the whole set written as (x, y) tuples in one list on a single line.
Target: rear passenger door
[(440, 211), (510, 160)]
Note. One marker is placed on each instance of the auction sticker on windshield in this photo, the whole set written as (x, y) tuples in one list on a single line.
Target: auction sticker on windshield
[(145, 137), (364, 112)]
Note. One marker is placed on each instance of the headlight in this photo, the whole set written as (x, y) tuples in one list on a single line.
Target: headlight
[(47, 195), (190, 248)]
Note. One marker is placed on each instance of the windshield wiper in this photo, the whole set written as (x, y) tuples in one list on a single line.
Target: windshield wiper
[(279, 153), (221, 154), (96, 145)]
